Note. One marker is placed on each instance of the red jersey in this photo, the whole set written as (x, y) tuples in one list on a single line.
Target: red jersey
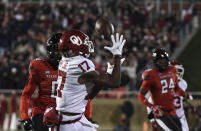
[(162, 86), (43, 76)]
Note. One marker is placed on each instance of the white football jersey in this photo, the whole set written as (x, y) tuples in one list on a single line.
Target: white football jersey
[(178, 100), (70, 94)]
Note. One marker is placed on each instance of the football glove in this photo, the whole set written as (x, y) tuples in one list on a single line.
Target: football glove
[(189, 96), (157, 111), (27, 124), (110, 67), (118, 45)]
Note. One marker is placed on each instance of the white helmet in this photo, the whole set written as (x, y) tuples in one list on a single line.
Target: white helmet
[(179, 67)]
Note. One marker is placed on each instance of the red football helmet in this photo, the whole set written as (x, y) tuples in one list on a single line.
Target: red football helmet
[(75, 42), (179, 67)]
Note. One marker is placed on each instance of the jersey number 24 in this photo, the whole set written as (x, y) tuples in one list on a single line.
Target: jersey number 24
[(165, 85)]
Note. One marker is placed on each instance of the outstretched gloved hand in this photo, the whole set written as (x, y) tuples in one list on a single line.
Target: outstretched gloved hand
[(118, 44)]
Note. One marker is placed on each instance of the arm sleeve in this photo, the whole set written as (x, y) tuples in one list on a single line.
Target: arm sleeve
[(146, 84), (27, 92), (144, 100), (147, 81)]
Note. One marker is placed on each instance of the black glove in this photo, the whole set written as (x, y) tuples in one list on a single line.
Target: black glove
[(28, 124)]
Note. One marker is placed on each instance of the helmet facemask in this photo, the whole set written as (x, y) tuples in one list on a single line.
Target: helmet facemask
[(162, 64), (90, 46), (161, 59), (180, 71), (52, 50)]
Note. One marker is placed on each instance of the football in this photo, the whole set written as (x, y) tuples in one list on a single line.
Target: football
[(104, 28)]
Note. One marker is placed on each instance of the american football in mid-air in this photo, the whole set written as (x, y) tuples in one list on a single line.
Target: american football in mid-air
[(105, 28)]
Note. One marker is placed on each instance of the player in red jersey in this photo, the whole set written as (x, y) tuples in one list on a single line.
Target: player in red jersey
[(162, 83), (42, 74)]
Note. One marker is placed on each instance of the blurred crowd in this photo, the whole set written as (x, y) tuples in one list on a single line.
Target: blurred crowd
[(8, 111), (25, 27)]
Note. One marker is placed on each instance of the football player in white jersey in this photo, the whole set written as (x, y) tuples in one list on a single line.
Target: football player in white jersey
[(179, 99), (78, 80)]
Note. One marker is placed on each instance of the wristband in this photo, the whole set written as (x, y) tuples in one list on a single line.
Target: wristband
[(116, 56)]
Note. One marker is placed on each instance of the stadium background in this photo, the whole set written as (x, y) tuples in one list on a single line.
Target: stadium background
[(146, 24)]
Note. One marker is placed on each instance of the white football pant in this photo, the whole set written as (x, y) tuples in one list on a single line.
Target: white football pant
[(82, 125), (184, 123)]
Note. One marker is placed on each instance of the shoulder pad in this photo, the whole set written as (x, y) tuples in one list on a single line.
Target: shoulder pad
[(40, 58), (146, 74), (32, 65), (35, 63)]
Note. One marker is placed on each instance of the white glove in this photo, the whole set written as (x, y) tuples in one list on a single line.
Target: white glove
[(110, 67), (117, 47), (190, 97)]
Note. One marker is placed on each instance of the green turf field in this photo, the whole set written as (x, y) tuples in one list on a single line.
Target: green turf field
[(107, 113)]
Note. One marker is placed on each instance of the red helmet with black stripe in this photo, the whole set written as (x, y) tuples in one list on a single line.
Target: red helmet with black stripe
[(75, 42)]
